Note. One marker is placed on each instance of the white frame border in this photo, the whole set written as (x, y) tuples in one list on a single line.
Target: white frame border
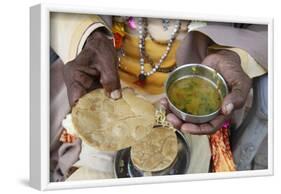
[(40, 102)]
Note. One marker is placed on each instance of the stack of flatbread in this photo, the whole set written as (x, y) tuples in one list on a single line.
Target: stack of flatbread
[(111, 125)]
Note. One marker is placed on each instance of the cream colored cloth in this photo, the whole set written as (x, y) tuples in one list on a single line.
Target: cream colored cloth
[(70, 31), (85, 173)]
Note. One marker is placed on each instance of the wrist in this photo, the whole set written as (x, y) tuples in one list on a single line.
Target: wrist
[(97, 35), (90, 47), (93, 42)]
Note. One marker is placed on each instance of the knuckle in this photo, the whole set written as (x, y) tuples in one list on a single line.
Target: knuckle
[(108, 80), (240, 100)]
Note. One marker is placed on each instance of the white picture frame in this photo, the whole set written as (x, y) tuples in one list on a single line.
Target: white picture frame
[(40, 86)]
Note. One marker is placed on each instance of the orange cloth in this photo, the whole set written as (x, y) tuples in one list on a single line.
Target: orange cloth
[(222, 159)]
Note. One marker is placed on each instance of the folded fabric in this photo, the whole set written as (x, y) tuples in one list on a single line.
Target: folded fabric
[(222, 158)]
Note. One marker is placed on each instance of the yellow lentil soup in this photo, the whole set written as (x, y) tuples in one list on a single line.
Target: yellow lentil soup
[(195, 95)]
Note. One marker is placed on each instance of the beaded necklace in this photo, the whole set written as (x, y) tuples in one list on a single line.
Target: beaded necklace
[(142, 31)]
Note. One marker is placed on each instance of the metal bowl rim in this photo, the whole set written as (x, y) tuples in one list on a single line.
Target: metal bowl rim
[(189, 65)]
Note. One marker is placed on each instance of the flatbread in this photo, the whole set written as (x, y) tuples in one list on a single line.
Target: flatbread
[(111, 125), (155, 152)]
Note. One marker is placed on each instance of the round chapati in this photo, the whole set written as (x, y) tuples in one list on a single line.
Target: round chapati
[(155, 152), (111, 125)]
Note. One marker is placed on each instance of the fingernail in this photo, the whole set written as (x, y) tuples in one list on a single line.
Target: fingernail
[(229, 108), (115, 94)]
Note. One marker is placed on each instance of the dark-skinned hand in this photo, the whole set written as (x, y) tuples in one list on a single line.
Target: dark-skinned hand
[(95, 67)]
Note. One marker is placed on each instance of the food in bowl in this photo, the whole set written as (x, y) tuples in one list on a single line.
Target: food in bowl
[(204, 76), (195, 95)]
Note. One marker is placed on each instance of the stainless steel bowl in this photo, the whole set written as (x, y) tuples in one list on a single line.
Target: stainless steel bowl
[(124, 167), (204, 72)]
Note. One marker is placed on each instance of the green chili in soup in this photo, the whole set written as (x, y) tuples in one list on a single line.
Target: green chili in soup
[(195, 95)]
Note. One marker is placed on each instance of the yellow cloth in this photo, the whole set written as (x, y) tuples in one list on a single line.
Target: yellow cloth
[(129, 67)]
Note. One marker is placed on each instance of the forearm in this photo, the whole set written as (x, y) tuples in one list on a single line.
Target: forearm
[(193, 48), (251, 41)]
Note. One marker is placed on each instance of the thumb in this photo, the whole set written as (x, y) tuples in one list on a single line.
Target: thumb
[(232, 101), (111, 84)]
